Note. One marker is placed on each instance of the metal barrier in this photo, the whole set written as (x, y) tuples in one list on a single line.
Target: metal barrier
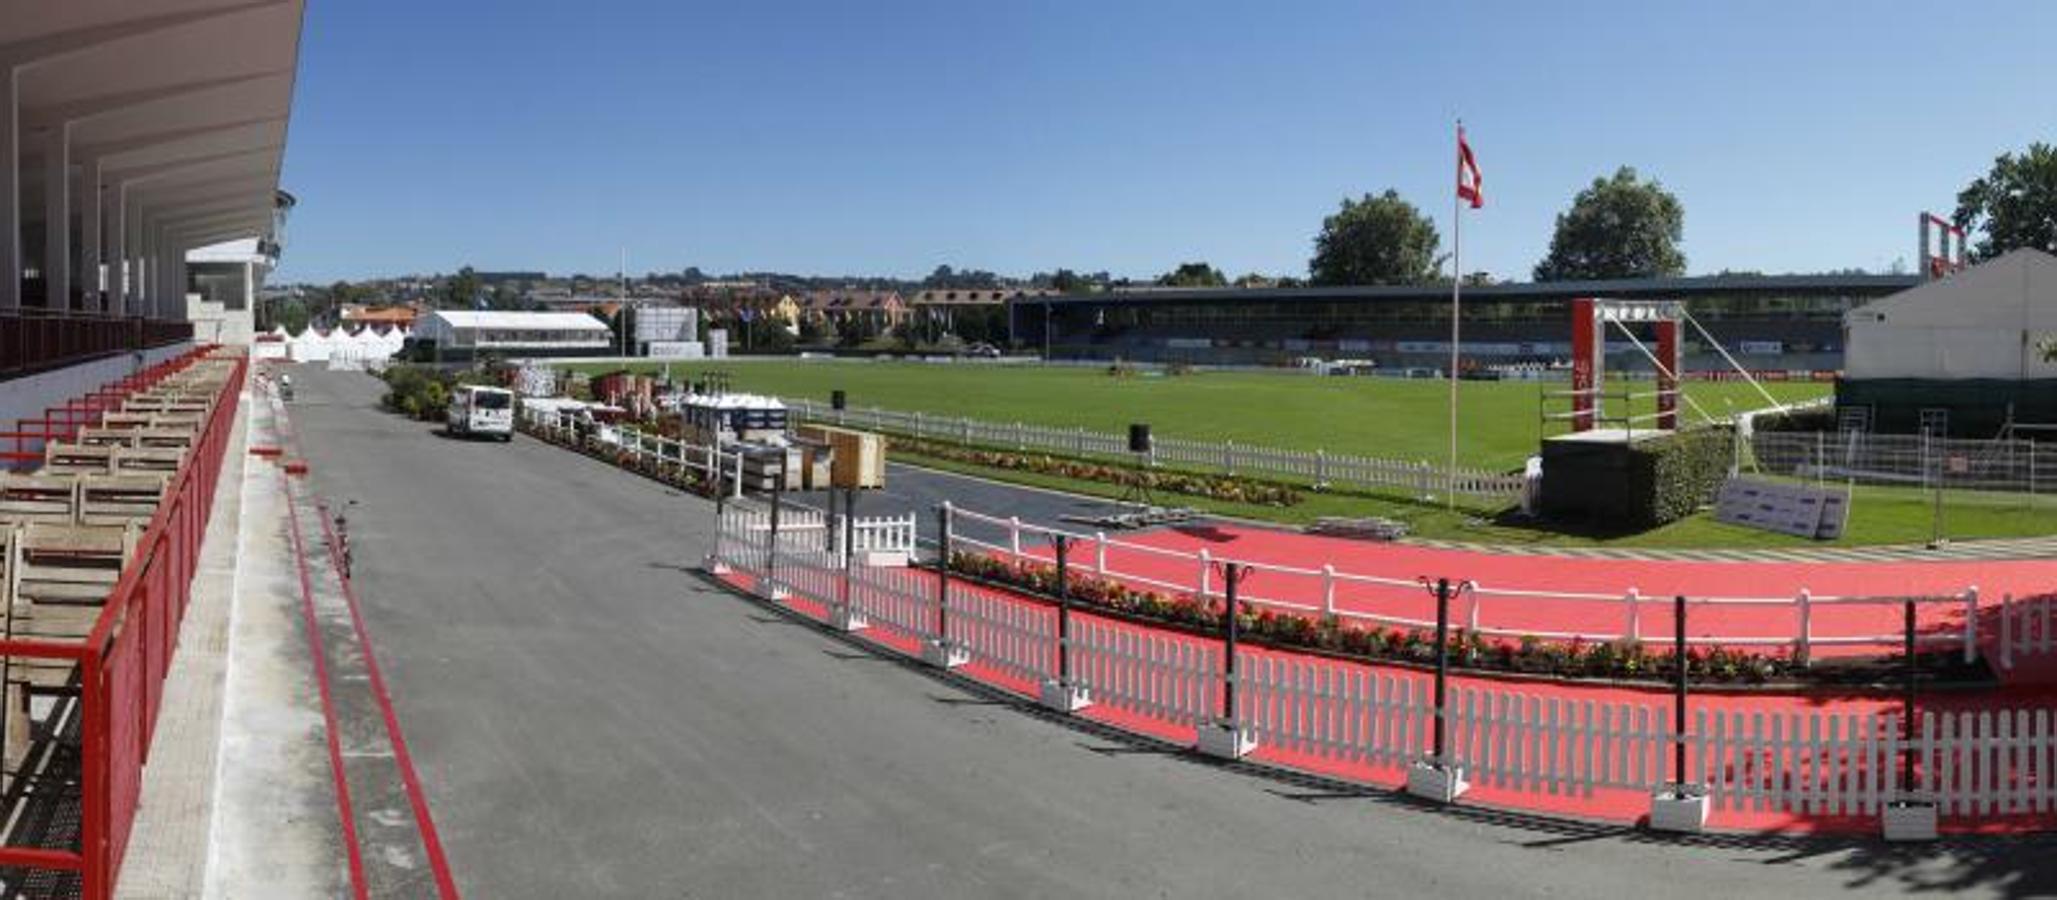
[(121, 664), (2017, 465)]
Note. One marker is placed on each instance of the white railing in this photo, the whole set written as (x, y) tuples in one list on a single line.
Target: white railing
[(1490, 611), (1973, 763), (710, 463), (1316, 468)]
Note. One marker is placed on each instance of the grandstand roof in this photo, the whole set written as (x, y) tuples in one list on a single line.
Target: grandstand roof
[(1646, 288)]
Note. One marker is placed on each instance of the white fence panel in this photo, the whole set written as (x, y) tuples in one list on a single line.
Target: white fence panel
[(1170, 678)]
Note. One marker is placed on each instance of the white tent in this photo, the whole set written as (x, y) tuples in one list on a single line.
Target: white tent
[(313, 345), (1995, 320)]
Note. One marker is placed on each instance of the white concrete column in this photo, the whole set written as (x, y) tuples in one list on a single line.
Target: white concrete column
[(90, 223), (57, 216), (122, 268), (10, 192)]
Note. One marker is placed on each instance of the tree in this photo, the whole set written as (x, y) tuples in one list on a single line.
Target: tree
[(1375, 240), (1620, 227), (1066, 281), (2014, 205), (1193, 274), (291, 315), (461, 290)]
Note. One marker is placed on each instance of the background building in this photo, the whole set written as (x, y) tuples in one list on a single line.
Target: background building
[(460, 335), (1767, 321), (1966, 355)]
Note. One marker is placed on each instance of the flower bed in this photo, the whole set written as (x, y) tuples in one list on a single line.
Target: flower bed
[(1214, 487), (1624, 660)]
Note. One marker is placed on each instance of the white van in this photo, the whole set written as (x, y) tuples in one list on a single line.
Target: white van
[(476, 409)]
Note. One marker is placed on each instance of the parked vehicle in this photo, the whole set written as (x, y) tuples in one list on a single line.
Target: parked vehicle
[(477, 409)]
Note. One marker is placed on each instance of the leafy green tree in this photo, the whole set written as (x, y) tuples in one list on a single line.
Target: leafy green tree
[(1620, 227), (291, 314), (2015, 204), (461, 289), (1375, 240), (1193, 274)]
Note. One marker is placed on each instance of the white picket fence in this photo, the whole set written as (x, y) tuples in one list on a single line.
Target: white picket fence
[(1973, 763), (1482, 609), (2027, 627), (1317, 468)]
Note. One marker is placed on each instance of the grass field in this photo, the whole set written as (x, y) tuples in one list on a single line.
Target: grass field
[(1499, 422), (1500, 425)]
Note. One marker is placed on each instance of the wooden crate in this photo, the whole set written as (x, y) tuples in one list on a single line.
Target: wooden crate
[(860, 456)]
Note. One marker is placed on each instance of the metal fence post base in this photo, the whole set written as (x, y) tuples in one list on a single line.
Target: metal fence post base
[(944, 654), (1909, 819), (1679, 808), (1437, 780), (848, 620), (1065, 696), (1227, 739)]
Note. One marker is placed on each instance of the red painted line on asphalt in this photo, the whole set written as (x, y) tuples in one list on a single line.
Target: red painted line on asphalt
[(328, 705), (446, 886)]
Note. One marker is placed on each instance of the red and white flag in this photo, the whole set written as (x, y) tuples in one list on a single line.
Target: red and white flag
[(1469, 184)]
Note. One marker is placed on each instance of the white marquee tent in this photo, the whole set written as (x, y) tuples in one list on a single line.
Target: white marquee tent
[(1996, 320)]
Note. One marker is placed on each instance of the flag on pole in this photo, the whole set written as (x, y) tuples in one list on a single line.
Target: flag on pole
[(1470, 187)]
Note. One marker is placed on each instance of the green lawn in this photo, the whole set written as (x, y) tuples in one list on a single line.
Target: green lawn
[(1499, 422), (1367, 416)]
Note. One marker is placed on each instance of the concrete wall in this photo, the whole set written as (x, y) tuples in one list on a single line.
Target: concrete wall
[(28, 397)]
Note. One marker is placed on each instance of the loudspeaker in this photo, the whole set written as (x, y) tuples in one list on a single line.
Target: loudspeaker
[(1139, 438), (836, 400)]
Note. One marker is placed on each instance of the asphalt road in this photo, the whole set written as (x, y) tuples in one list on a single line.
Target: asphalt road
[(590, 718)]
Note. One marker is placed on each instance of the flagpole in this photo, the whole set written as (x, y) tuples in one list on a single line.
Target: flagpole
[(1456, 307)]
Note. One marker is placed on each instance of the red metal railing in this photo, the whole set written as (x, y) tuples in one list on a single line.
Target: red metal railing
[(32, 340), (123, 662), (24, 444)]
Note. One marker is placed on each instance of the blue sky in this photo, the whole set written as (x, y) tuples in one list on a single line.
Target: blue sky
[(887, 137)]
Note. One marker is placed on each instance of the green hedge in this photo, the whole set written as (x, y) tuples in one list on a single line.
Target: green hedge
[(1622, 488), (1674, 475)]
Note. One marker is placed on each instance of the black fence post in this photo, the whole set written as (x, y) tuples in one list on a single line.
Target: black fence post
[(771, 553), (1678, 708), (1231, 573), (1063, 545), (1907, 676), (1442, 661), (943, 573)]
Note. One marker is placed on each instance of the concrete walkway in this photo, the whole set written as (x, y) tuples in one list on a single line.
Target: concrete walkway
[(237, 798)]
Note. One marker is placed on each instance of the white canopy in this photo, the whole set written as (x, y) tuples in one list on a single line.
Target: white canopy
[(1994, 320)]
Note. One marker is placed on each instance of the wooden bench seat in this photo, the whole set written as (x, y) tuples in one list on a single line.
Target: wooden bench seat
[(39, 498), (120, 499), (62, 458)]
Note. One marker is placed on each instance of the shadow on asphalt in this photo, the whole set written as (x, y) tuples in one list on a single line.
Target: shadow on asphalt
[(2009, 866)]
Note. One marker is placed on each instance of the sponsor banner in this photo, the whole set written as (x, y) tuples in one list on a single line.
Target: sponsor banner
[(1189, 343), (1765, 347)]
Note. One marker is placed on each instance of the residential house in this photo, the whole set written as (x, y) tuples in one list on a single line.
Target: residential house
[(881, 310)]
